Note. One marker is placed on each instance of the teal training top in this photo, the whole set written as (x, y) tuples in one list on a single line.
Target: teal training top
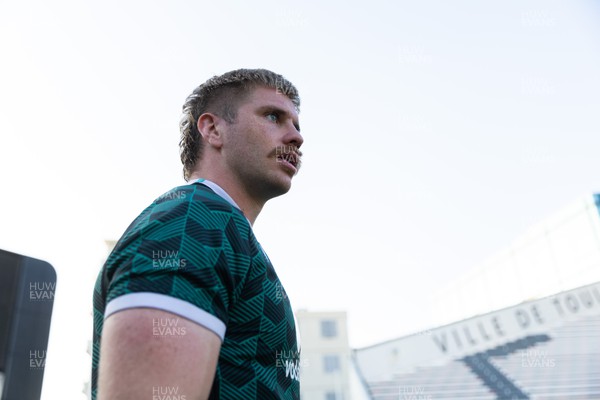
[(192, 252)]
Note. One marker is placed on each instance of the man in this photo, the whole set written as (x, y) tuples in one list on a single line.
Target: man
[(188, 305)]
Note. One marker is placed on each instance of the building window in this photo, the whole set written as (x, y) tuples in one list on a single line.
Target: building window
[(331, 363), (329, 328)]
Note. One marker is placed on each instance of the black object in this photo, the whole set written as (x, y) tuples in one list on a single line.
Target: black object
[(27, 288)]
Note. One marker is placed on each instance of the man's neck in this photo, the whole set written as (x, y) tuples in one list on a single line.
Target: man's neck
[(249, 206)]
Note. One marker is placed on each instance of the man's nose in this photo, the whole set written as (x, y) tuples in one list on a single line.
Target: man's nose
[(293, 136)]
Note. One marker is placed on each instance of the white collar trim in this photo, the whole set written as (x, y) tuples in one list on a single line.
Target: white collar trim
[(218, 190)]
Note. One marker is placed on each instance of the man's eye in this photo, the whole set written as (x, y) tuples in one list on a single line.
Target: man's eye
[(273, 117)]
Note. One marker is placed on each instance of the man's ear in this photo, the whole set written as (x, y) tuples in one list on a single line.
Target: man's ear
[(210, 127)]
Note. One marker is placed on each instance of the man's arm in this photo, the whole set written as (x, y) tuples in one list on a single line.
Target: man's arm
[(148, 352)]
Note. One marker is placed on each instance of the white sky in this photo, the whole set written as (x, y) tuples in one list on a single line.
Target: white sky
[(435, 133)]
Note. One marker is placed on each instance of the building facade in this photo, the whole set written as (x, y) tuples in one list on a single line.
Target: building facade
[(325, 358)]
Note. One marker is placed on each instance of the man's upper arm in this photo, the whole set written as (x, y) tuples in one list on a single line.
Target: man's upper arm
[(149, 352)]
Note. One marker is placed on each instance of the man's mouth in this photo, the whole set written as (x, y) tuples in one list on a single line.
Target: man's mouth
[(291, 158)]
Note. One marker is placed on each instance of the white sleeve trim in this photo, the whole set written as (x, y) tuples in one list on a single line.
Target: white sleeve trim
[(166, 303)]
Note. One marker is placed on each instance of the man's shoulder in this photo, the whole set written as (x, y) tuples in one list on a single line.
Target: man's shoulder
[(197, 207), (188, 217)]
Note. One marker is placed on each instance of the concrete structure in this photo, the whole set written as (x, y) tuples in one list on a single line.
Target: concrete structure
[(528, 323), (545, 348), (446, 343)]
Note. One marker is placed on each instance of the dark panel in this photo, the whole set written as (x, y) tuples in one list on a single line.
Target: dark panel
[(28, 318), (9, 268)]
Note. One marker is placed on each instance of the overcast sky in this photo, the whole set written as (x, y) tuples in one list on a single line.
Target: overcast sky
[(435, 133)]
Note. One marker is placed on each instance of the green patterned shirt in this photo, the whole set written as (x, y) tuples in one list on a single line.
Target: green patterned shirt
[(192, 252)]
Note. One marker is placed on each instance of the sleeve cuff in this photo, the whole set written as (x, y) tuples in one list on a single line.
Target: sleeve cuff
[(167, 303)]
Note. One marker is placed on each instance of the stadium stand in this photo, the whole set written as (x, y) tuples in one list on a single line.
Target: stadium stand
[(560, 361), (565, 367)]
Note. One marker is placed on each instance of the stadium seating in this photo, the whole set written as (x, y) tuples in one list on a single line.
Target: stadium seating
[(563, 363)]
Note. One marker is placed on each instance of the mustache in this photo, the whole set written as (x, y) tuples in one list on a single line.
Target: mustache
[(286, 151)]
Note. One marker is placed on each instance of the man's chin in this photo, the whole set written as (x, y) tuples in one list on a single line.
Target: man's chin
[(277, 187), (282, 189)]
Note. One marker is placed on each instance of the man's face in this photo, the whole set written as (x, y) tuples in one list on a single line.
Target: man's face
[(261, 145)]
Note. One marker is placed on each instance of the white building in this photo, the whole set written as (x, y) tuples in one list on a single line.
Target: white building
[(325, 355)]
